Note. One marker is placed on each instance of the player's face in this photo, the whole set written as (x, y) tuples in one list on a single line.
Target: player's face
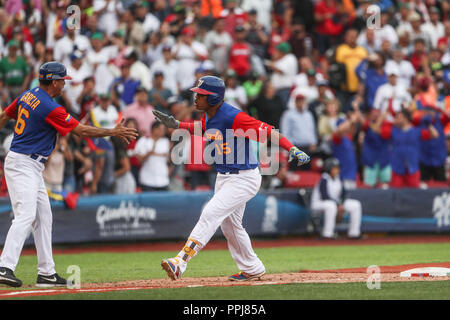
[(200, 102)]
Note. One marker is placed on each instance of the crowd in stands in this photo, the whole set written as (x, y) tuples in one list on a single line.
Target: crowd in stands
[(373, 95)]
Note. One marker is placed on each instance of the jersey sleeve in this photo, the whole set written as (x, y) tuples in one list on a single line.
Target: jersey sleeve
[(251, 128), (61, 121), (11, 110)]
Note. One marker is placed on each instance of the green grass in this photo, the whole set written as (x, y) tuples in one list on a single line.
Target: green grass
[(112, 267), (436, 290)]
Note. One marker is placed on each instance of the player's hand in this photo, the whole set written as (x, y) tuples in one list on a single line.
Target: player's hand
[(168, 121), (125, 133), (299, 155)]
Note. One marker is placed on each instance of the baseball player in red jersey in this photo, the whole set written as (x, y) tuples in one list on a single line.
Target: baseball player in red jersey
[(38, 120), (238, 178)]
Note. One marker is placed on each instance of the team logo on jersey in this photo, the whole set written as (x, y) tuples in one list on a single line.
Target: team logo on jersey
[(68, 118), (214, 136), (49, 75)]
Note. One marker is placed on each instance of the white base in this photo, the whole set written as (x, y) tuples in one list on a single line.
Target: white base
[(426, 272)]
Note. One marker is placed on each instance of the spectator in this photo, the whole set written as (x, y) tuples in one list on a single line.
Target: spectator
[(79, 70), (71, 41), (252, 86), (405, 68), (371, 74), (189, 53), (134, 161), (108, 12), (87, 98), (90, 27), (434, 28), (376, 151), (330, 21), (219, 42), (141, 110), (298, 120), (152, 48), (138, 70), (240, 54), (150, 22), (263, 10), (317, 106), (405, 141), (343, 149), (391, 96), (54, 170), (233, 15), (386, 31), (267, 106), (168, 66), (329, 196), (104, 115), (350, 54), (327, 125), (416, 31), (234, 92), (309, 90), (14, 72), (302, 43), (123, 88), (124, 181), (256, 34), (433, 153), (159, 95), (284, 68), (153, 152), (55, 22), (368, 41), (404, 43)]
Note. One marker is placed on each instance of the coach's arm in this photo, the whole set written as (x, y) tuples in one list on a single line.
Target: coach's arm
[(4, 119), (119, 131)]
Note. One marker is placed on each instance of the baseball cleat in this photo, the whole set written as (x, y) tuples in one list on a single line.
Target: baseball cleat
[(7, 277), (172, 268), (242, 276), (50, 281)]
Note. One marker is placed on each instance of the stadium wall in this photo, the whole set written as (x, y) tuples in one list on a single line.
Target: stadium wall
[(172, 215)]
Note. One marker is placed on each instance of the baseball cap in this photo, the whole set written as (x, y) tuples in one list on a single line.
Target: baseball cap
[(97, 35), (158, 73), (413, 16), (188, 31), (239, 28), (77, 54), (284, 47), (230, 73), (311, 72), (322, 82), (104, 95), (12, 43), (434, 10), (141, 89)]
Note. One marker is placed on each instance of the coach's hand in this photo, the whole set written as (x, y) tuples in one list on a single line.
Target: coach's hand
[(125, 133), (299, 155), (168, 121)]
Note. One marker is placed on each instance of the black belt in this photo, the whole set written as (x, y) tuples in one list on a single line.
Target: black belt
[(235, 171), (35, 156)]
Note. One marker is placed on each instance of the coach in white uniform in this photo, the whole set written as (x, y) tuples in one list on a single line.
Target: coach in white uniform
[(329, 197)]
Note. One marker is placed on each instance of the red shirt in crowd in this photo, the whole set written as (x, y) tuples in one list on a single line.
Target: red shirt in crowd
[(239, 61)]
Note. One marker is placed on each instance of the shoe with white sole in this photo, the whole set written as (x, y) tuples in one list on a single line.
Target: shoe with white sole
[(7, 277), (243, 276), (50, 281), (172, 267)]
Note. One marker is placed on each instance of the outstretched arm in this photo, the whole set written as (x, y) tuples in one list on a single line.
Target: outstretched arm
[(3, 119), (119, 131)]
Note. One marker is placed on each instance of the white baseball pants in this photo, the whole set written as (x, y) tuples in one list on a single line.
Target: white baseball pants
[(226, 209), (330, 209), (32, 211)]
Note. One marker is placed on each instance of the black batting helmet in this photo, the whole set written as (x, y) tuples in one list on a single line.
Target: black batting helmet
[(330, 163)]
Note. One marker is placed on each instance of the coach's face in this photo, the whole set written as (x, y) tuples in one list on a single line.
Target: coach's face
[(59, 86)]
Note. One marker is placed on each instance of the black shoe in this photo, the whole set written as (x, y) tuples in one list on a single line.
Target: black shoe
[(50, 281), (7, 277), (360, 237)]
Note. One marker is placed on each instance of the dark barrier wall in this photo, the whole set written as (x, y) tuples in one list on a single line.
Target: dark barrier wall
[(172, 215)]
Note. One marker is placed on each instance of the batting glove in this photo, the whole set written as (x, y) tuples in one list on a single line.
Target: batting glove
[(299, 155), (168, 121)]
